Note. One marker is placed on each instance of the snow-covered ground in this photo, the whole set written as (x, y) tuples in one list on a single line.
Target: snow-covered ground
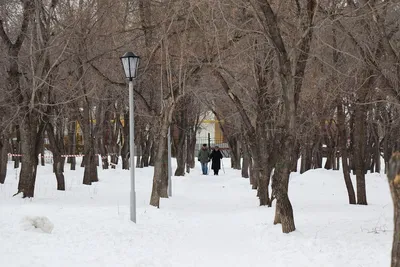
[(209, 221)]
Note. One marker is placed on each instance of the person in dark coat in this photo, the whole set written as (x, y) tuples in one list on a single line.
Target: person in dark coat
[(216, 157)]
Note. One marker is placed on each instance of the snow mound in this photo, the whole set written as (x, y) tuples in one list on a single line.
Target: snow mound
[(37, 224)]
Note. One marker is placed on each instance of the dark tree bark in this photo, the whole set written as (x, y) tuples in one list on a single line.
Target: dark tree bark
[(343, 152), (181, 123), (57, 147), (234, 147), (295, 157), (152, 154), (3, 159), (284, 210), (360, 141), (164, 173), (42, 156), (191, 145), (159, 183), (102, 134), (306, 157), (89, 161), (317, 154), (246, 162), (31, 134)]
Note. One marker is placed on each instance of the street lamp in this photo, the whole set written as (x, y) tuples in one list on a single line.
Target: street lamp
[(130, 62)]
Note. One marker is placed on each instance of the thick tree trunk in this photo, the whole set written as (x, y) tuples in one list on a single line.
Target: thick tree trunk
[(234, 147), (57, 148), (90, 173), (359, 152), (317, 154), (159, 183), (103, 152), (3, 159), (27, 177), (164, 173), (246, 162), (253, 175), (181, 152), (295, 157), (306, 157), (343, 152), (284, 210), (179, 141), (191, 145), (153, 152), (394, 184), (260, 170), (263, 183), (159, 174), (29, 160)]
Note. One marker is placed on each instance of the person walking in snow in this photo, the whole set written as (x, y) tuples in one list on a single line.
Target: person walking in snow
[(204, 157), (216, 157)]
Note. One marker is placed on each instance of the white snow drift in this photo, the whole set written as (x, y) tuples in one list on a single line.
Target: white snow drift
[(209, 221)]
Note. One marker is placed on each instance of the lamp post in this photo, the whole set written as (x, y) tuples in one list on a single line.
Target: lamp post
[(130, 62)]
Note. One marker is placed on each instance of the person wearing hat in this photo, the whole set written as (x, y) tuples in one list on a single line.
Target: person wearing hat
[(216, 157), (204, 157)]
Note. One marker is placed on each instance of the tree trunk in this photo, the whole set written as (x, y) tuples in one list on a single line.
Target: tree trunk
[(57, 148), (153, 152), (284, 210), (306, 157), (343, 152), (146, 151), (3, 159), (253, 175), (394, 184), (27, 177), (263, 183), (246, 162), (295, 157), (316, 154), (42, 159), (359, 150), (235, 152), (164, 177), (89, 161), (103, 152), (181, 152), (191, 145), (159, 184)]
